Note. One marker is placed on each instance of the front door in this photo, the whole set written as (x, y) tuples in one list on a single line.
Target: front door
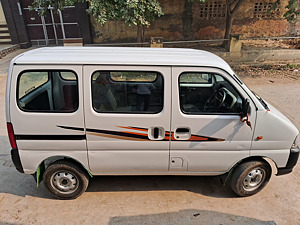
[(127, 116), (207, 134)]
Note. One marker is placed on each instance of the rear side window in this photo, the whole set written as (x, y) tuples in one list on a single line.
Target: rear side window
[(68, 75), (48, 91), (30, 81), (127, 92)]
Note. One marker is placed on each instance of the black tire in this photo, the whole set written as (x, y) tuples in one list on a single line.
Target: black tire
[(250, 177), (65, 180)]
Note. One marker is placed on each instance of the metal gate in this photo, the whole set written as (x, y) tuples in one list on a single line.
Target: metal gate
[(52, 28)]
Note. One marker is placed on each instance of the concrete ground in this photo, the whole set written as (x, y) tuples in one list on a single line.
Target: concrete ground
[(155, 199)]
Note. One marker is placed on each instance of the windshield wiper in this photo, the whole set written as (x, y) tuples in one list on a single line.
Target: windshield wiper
[(265, 105)]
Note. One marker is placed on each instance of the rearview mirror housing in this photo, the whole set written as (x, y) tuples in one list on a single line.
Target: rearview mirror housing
[(245, 108)]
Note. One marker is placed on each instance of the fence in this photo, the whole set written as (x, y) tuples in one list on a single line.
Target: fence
[(235, 40)]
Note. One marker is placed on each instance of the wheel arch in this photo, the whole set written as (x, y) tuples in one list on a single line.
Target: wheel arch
[(38, 175), (225, 177), (266, 159)]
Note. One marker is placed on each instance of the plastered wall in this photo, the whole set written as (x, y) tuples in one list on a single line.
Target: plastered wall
[(186, 20), (2, 18)]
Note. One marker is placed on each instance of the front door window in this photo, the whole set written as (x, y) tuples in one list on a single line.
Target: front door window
[(207, 93)]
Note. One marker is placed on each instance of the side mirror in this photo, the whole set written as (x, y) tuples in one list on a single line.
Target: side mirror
[(245, 109)]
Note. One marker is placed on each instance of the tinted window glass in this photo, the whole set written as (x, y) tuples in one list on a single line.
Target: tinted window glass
[(205, 93), (127, 92), (68, 75), (30, 81), (48, 91), (134, 76), (195, 78)]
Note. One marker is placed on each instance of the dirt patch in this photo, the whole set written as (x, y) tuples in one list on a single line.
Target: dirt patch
[(262, 28), (209, 32), (273, 44), (269, 73)]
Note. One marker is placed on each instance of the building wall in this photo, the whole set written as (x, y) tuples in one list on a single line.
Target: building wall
[(186, 20), (15, 23), (2, 17), (26, 28)]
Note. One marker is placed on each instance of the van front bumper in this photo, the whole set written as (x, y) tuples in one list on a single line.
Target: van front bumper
[(292, 161), (16, 160)]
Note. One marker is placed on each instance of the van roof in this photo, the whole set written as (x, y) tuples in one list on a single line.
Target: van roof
[(122, 56)]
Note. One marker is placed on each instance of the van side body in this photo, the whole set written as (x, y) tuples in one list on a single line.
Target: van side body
[(140, 111)]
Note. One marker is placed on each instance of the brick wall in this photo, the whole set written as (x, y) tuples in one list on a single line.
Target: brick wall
[(185, 20)]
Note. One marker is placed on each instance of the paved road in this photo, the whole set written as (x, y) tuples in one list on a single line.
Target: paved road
[(154, 200)]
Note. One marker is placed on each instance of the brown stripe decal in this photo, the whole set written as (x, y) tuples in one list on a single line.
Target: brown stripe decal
[(117, 137), (119, 134), (195, 138), (135, 128), (135, 136), (203, 138)]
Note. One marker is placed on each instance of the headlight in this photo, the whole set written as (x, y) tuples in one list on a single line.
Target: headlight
[(295, 144)]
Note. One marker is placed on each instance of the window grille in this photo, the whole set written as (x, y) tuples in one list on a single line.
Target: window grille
[(261, 10), (213, 9)]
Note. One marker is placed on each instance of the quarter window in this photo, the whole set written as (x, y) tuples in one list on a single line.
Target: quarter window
[(206, 93), (67, 75), (30, 81), (127, 91), (48, 91)]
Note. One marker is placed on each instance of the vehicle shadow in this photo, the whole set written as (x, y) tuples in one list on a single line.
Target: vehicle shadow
[(188, 217), (204, 185), (18, 184), (13, 182)]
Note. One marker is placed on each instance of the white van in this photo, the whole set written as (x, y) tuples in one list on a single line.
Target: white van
[(77, 112)]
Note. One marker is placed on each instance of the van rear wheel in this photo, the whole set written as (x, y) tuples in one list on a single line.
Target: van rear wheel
[(250, 177), (65, 180)]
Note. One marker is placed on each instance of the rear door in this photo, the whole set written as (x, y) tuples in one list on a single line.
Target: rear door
[(127, 115), (207, 134), (46, 110)]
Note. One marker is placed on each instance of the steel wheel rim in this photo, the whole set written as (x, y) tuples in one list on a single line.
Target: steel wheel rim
[(64, 182), (254, 179)]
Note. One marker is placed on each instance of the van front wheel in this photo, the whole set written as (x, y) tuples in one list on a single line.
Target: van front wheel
[(250, 177), (65, 180)]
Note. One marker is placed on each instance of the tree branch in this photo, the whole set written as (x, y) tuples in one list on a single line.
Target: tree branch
[(228, 4), (237, 6)]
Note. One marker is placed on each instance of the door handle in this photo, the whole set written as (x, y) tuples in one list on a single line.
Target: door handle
[(182, 133), (182, 130), (156, 133)]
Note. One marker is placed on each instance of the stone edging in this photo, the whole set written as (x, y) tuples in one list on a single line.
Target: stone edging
[(4, 52)]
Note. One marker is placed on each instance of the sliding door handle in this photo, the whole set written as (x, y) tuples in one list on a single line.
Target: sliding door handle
[(156, 133), (182, 133)]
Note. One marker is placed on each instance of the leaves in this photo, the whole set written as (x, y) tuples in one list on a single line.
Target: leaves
[(42, 6), (274, 6), (140, 12), (293, 9), (132, 12)]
